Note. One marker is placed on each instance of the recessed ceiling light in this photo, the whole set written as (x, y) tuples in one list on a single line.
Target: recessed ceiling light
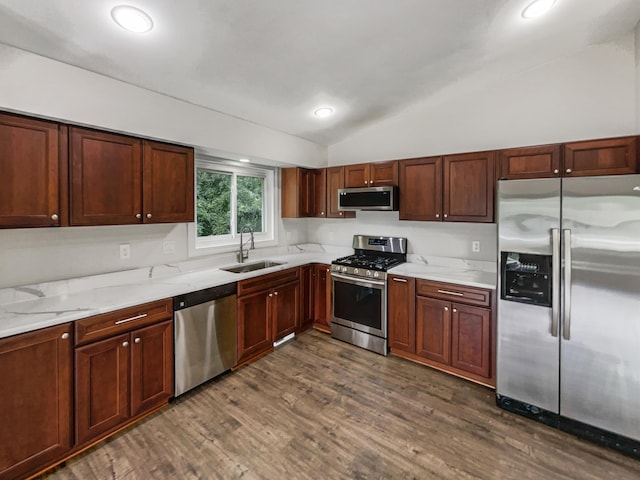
[(538, 8), (323, 112), (131, 18), (244, 160)]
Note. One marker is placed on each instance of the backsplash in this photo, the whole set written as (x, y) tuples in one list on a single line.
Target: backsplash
[(439, 239)]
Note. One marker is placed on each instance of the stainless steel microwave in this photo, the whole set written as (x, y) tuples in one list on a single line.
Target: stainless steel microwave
[(368, 198)]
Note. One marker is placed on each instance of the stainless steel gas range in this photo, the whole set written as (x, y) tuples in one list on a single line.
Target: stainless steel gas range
[(359, 291)]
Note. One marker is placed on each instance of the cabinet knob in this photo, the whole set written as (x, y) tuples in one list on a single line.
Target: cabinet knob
[(137, 340), (365, 182), (54, 216), (275, 293), (271, 294), (138, 216), (568, 170), (149, 215), (125, 344), (370, 182), (556, 171), (455, 311), (437, 215), (445, 215), (446, 309), (64, 336), (340, 213), (322, 214)]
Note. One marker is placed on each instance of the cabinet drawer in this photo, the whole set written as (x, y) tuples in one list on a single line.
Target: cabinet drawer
[(265, 282), (113, 323), (455, 293)]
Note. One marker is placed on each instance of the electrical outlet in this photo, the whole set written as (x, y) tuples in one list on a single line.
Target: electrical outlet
[(169, 247), (475, 246), (125, 251)]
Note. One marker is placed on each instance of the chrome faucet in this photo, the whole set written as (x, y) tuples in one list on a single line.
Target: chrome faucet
[(244, 254)]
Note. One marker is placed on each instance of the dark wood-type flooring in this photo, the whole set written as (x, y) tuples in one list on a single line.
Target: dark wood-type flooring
[(318, 408)]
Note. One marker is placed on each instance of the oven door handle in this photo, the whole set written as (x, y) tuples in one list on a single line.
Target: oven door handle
[(357, 281)]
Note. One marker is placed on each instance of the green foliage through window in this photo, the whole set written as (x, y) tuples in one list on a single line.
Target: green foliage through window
[(215, 202)]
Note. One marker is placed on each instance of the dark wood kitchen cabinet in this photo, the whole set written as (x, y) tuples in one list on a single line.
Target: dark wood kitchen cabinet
[(307, 275), (123, 368), (449, 327), (36, 402), (609, 156), (322, 298), (376, 174), (454, 188), (268, 310), (33, 171), (119, 180), (401, 292), (335, 181), (303, 192)]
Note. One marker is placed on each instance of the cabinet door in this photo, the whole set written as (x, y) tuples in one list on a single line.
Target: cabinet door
[(611, 156), (470, 334), (401, 311), (151, 367), (254, 325), (319, 183), (35, 405), (29, 196), (433, 329), (167, 183), (286, 311), (335, 180), (469, 184), (307, 275), (305, 192), (420, 190), (383, 174), (356, 175), (106, 178), (102, 387), (322, 298), (530, 162), (290, 192)]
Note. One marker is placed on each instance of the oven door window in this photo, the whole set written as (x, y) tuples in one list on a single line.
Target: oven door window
[(358, 304)]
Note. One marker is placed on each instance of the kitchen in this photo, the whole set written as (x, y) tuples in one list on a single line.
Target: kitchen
[(480, 112)]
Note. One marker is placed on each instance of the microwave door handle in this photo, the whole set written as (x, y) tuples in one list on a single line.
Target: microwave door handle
[(555, 281)]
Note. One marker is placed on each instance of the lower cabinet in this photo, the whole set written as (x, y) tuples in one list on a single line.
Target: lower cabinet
[(36, 400), (446, 326), (123, 367), (268, 310), (322, 298)]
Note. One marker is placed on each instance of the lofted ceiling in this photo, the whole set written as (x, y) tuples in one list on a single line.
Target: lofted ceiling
[(274, 62)]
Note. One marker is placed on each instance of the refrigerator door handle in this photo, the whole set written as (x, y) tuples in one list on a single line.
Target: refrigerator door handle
[(566, 318), (555, 281)]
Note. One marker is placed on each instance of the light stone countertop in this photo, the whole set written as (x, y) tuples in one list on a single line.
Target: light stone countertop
[(31, 307)]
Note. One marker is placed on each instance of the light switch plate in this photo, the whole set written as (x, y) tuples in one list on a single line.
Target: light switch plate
[(125, 251), (475, 246)]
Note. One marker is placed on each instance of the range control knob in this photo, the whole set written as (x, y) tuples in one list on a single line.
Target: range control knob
[(376, 274), (344, 269), (368, 273), (355, 271)]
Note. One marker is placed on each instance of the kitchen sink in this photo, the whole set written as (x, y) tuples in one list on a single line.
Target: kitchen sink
[(250, 267)]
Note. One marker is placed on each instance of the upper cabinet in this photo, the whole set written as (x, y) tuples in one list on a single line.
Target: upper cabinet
[(610, 156), (119, 180), (304, 192), (335, 181), (454, 188), (32, 171), (371, 174)]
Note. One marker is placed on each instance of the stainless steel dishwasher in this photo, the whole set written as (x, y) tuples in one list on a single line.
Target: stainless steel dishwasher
[(204, 335)]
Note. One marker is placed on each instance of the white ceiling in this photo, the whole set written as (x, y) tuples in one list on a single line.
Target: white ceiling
[(273, 62)]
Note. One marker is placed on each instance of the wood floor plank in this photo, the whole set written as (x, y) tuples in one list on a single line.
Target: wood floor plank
[(319, 408)]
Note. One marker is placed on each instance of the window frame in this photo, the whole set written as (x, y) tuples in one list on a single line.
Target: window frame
[(231, 242)]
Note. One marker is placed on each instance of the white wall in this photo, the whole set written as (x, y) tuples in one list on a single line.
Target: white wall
[(424, 238), (587, 95), (40, 86), (637, 38)]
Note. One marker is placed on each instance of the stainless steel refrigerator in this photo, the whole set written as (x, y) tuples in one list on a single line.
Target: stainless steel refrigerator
[(568, 334)]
